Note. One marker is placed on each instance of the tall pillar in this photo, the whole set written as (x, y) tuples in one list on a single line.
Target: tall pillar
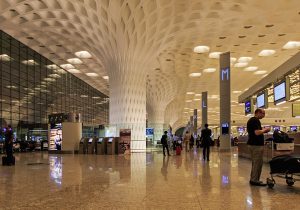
[(204, 109), (127, 107), (156, 121), (225, 108)]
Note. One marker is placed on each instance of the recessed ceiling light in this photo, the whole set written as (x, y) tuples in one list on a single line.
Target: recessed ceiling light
[(241, 65), (209, 70), (266, 53), (105, 77), (214, 55), (84, 96), (49, 79), (260, 72), (232, 59), (11, 87), (291, 45), (201, 49), (195, 74), (236, 91), (92, 74), (96, 97), (251, 68), (74, 61), (54, 75), (198, 94), (5, 57), (30, 62), (190, 93), (83, 54), (245, 59), (74, 71), (67, 66), (197, 99)]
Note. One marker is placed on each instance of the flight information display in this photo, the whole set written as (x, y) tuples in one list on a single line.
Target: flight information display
[(279, 92)]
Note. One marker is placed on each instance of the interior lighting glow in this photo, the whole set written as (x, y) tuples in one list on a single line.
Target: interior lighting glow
[(197, 99), (188, 101), (265, 53), (83, 54), (74, 61), (74, 71), (201, 49), (195, 74), (198, 94), (67, 66), (232, 59), (291, 45), (95, 97), (245, 59), (92, 74), (52, 66), (260, 72), (49, 79), (209, 70), (5, 57), (214, 55), (29, 62), (84, 96), (240, 65), (105, 77), (54, 75), (11, 87), (236, 91), (60, 71), (251, 68), (190, 93)]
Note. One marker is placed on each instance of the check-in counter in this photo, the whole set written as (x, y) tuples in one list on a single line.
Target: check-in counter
[(83, 146), (269, 151), (101, 146)]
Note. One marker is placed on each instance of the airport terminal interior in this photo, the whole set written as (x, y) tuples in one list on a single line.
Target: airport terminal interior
[(90, 86)]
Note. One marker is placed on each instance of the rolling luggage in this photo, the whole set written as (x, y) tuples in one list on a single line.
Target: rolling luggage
[(178, 150), (5, 161)]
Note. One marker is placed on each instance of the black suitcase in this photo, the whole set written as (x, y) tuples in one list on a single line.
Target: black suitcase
[(285, 164), (5, 161)]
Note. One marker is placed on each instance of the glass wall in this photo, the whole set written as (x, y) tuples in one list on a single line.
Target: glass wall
[(33, 87)]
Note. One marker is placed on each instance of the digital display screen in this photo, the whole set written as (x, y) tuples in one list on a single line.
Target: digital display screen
[(279, 91), (110, 139), (225, 128), (248, 107), (276, 128), (90, 140), (295, 110), (293, 128), (260, 101), (240, 129), (100, 140), (149, 131)]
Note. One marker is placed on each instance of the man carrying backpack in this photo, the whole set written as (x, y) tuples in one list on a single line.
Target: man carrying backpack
[(164, 142)]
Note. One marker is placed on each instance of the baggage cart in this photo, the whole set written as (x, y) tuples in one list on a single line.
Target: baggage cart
[(283, 164)]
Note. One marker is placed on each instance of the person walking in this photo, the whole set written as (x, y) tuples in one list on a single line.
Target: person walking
[(164, 142), (9, 145), (186, 141), (206, 139), (256, 146)]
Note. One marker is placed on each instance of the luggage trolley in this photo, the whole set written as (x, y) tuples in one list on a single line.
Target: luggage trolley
[(283, 164)]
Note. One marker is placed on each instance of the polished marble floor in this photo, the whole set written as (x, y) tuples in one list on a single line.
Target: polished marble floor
[(139, 181)]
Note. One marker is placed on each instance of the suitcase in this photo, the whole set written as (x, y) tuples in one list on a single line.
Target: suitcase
[(5, 161), (285, 164), (178, 150)]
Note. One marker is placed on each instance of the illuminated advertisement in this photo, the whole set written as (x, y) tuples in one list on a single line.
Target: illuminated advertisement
[(55, 140)]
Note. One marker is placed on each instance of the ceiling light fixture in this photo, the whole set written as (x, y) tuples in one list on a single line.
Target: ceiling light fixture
[(30, 62), (105, 77), (5, 57), (201, 49), (52, 66), (251, 68), (92, 74), (245, 59), (291, 45), (83, 54), (190, 93), (241, 65), (264, 53), (67, 66), (74, 71), (260, 72), (209, 70), (195, 74), (74, 61), (214, 55)]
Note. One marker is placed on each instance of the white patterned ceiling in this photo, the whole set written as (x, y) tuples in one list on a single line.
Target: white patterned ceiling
[(165, 32)]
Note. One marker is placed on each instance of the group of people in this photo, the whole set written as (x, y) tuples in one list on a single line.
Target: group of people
[(188, 140), (9, 144)]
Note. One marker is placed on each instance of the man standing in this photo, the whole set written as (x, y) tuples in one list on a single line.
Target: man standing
[(256, 145), (9, 145), (206, 140), (164, 142)]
